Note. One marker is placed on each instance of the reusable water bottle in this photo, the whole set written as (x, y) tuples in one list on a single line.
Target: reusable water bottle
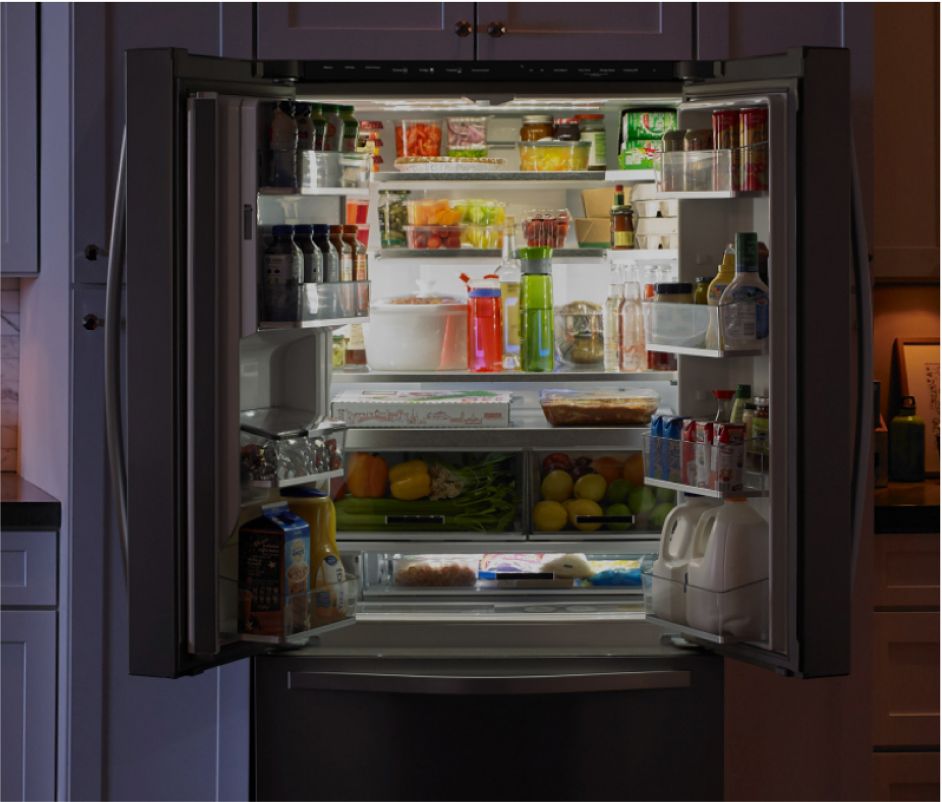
[(485, 337), (536, 310), (907, 443)]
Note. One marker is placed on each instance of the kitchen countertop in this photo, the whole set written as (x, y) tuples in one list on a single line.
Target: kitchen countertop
[(25, 506), (907, 507)]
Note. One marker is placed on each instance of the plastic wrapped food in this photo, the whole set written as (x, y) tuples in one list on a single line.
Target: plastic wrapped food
[(467, 136), (554, 156), (599, 407), (433, 572)]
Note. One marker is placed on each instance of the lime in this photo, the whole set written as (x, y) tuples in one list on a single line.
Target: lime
[(556, 486), (617, 492), (618, 509), (591, 486), (659, 513), (641, 500), (584, 506), (549, 516)]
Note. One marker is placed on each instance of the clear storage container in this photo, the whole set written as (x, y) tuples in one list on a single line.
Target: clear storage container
[(434, 237), (553, 156), (599, 407)]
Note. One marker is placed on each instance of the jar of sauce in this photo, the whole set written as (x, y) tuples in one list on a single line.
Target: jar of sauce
[(592, 130), (674, 293), (566, 129), (701, 289), (536, 127), (622, 228)]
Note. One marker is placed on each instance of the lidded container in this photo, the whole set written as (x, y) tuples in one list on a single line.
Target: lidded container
[(592, 130), (485, 332), (536, 310), (599, 407), (536, 127)]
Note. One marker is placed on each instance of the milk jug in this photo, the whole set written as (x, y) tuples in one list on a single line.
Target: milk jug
[(667, 584), (729, 558)]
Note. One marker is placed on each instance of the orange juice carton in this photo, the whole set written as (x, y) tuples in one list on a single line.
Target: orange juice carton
[(704, 455), (728, 453), (274, 575)]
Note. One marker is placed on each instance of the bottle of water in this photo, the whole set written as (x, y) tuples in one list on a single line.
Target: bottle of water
[(614, 308)]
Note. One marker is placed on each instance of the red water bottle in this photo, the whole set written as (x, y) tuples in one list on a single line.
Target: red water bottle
[(485, 332)]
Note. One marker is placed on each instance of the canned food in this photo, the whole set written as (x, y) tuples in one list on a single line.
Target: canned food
[(646, 123), (726, 137), (754, 142)]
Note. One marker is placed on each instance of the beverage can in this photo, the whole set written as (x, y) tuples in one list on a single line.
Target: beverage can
[(728, 453), (754, 142), (704, 454), (647, 123), (726, 137)]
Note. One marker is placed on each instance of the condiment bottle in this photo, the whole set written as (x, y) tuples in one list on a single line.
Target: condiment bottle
[(743, 394), (361, 269), (485, 338), (592, 130), (536, 127), (701, 288), (724, 400), (725, 273), (907, 443), (744, 305), (622, 227), (613, 322), (633, 350), (757, 448), (312, 258), (354, 353), (334, 130), (509, 274), (536, 310), (282, 276)]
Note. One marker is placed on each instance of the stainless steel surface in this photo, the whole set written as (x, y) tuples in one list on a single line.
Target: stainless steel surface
[(556, 378), (467, 683), (114, 435)]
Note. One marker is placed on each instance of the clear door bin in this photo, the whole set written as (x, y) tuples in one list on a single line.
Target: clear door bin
[(336, 300), (707, 461), (295, 618), (689, 328), (319, 169), (721, 171), (738, 614)]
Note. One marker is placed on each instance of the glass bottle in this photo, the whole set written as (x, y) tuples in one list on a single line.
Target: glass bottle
[(334, 129), (361, 269), (509, 274), (757, 448), (302, 117), (485, 339), (536, 310), (633, 350), (282, 276), (724, 402), (345, 251), (613, 321), (701, 289), (312, 259), (907, 443), (744, 305)]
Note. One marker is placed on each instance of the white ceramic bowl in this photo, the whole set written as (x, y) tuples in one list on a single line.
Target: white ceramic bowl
[(417, 337)]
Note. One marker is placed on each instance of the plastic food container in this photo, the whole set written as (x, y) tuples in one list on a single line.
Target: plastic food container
[(418, 333), (481, 212), (393, 217), (579, 336), (418, 138), (599, 407), (593, 232), (434, 237), (553, 156), (467, 136), (482, 237), (434, 212), (434, 571), (355, 170), (546, 227)]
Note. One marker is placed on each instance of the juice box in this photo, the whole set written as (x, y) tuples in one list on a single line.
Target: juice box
[(688, 453), (274, 574), (670, 459), (728, 452), (704, 455)]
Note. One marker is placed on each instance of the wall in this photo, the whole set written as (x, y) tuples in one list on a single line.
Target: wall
[(9, 372)]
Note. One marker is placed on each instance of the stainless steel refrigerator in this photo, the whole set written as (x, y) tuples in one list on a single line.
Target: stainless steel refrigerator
[(458, 678)]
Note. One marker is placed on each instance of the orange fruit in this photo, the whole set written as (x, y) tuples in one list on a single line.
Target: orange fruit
[(609, 467), (633, 471)]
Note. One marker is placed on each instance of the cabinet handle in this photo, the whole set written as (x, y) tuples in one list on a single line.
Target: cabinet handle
[(462, 28), (496, 29), (91, 322), (92, 252)]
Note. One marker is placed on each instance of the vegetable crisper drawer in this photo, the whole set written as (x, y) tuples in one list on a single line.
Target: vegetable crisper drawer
[(402, 492)]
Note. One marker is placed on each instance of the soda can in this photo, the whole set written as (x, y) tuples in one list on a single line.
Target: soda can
[(726, 138), (673, 426), (728, 451), (704, 455), (688, 453), (646, 124), (754, 142)]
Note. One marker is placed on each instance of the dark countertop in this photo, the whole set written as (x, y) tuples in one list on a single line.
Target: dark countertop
[(907, 507), (25, 506)]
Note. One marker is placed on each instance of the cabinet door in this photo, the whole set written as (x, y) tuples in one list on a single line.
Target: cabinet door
[(906, 569), (28, 704), (357, 31), (905, 775), (584, 31), (19, 158), (906, 679)]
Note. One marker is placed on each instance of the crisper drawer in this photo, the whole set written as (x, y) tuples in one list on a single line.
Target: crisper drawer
[(593, 494), (452, 495)]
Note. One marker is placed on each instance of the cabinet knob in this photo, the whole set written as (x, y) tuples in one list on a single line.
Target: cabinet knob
[(463, 28), (496, 29), (92, 252), (91, 322)]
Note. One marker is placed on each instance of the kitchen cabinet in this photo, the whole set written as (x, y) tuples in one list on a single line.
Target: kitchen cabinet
[(906, 776), (19, 130), (906, 571), (359, 31), (584, 31)]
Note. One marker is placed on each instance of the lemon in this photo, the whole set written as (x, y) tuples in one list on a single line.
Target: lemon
[(584, 506), (556, 486), (549, 516), (591, 486)]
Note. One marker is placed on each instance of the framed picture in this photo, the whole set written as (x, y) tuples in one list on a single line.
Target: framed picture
[(918, 362)]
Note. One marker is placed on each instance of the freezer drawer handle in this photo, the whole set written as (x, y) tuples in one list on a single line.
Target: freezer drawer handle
[(438, 520), (470, 684)]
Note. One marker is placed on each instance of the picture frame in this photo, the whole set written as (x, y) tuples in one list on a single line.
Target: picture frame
[(917, 361)]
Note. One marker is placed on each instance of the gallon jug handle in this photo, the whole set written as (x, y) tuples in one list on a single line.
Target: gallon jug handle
[(703, 530), (666, 534)]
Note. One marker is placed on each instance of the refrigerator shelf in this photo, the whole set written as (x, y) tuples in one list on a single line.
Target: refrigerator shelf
[(709, 353), (629, 176), (642, 255), (705, 491), (689, 633), (504, 377), (516, 180), (298, 480), (705, 174), (290, 194), (560, 255), (329, 323), (418, 543), (688, 329)]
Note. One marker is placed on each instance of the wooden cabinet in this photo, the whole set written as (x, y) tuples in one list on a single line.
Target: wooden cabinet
[(906, 571), (19, 156), (585, 31), (906, 776), (362, 31)]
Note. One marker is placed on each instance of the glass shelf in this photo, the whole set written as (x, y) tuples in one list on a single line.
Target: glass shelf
[(504, 377)]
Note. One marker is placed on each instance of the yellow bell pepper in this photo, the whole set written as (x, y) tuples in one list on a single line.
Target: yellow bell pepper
[(410, 480)]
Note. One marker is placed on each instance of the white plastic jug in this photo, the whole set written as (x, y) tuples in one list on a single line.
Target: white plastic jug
[(667, 582), (729, 559)]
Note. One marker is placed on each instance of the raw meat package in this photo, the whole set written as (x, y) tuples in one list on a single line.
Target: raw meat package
[(428, 409)]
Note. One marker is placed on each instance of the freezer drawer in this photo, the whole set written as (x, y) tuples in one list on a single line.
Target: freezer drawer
[(488, 729)]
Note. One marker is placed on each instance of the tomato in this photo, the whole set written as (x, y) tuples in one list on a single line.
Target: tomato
[(454, 241), (420, 241), (434, 241), (553, 462)]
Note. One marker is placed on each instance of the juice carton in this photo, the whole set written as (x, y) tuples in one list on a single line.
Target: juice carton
[(728, 453), (274, 574), (670, 459), (688, 453), (653, 462), (704, 455)]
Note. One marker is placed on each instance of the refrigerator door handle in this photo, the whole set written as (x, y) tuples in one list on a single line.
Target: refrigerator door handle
[(499, 684), (114, 436), (864, 299)]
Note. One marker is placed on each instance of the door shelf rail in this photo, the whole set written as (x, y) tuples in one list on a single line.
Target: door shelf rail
[(708, 353), (746, 492), (427, 255), (504, 377), (288, 194)]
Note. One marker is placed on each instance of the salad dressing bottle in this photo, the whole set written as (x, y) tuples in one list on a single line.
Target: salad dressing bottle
[(744, 304), (725, 273)]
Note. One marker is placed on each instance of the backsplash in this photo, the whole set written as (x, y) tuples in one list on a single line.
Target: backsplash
[(9, 372)]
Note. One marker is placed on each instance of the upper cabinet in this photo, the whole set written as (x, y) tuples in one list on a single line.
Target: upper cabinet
[(584, 31), (359, 31)]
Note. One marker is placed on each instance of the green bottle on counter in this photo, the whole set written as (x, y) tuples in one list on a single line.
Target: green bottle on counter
[(907, 443)]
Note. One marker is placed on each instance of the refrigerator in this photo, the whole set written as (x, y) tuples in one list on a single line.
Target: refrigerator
[(205, 376)]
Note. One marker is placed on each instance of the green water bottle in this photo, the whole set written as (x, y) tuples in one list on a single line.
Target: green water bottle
[(907, 443), (537, 347)]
